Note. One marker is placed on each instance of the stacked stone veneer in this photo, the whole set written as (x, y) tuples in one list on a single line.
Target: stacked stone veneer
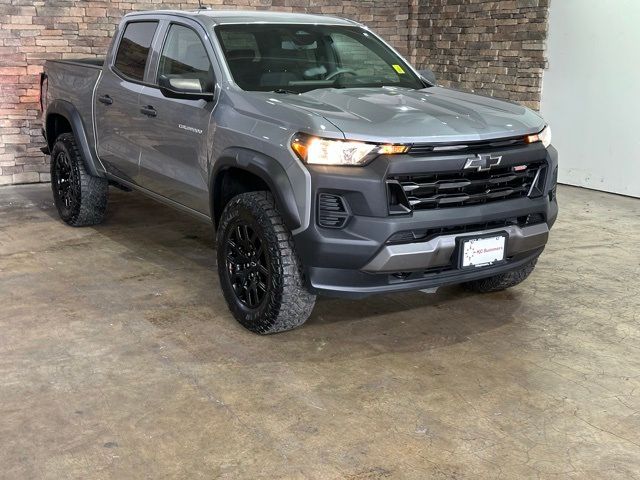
[(493, 47)]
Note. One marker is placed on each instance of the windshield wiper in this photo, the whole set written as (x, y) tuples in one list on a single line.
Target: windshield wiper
[(284, 90)]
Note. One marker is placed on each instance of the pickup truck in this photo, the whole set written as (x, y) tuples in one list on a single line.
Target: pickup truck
[(326, 163)]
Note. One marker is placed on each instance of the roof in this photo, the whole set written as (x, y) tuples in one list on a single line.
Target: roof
[(221, 17)]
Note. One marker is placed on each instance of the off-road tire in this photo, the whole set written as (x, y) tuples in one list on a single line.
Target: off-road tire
[(285, 304), (81, 199), (503, 280)]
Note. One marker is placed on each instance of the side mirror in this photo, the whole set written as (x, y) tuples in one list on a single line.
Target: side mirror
[(428, 75), (184, 88)]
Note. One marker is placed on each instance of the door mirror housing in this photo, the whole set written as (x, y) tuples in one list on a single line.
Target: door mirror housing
[(428, 75), (183, 88)]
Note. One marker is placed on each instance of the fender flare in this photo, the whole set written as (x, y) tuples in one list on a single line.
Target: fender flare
[(71, 114), (269, 170)]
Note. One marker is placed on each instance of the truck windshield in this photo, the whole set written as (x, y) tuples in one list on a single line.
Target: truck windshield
[(299, 58)]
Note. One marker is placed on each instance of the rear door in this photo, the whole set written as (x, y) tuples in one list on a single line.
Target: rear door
[(117, 115), (175, 134)]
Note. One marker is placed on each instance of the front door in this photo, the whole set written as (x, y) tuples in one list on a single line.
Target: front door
[(175, 141), (118, 119)]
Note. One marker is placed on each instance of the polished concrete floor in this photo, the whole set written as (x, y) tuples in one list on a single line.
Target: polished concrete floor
[(119, 360)]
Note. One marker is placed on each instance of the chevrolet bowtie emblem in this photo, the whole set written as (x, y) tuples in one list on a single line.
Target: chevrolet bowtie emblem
[(482, 161)]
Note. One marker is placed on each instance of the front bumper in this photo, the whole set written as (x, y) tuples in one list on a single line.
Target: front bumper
[(357, 284), (438, 251), (359, 260)]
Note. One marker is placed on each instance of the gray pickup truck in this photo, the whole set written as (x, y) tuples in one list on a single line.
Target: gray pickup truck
[(326, 163)]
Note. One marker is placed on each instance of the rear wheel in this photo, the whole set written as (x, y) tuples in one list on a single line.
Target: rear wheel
[(80, 198), (503, 280), (260, 274)]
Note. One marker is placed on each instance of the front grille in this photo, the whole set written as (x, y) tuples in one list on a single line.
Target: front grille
[(466, 187), (332, 212), (477, 147)]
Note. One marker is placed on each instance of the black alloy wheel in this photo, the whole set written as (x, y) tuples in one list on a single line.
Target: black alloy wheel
[(80, 198), (247, 264), (65, 181), (260, 273)]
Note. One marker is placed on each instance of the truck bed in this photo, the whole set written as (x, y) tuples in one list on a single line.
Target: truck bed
[(74, 81), (97, 62)]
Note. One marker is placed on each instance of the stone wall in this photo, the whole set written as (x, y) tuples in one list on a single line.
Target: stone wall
[(495, 47)]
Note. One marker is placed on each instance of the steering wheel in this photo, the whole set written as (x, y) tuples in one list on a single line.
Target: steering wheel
[(341, 71)]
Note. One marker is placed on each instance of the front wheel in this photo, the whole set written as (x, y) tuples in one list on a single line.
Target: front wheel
[(260, 274)]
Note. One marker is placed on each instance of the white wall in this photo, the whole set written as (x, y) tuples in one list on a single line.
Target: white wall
[(591, 92)]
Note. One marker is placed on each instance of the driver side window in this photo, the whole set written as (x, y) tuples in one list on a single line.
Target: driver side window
[(184, 56)]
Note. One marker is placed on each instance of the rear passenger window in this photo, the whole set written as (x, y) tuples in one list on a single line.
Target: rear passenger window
[(133, 52)]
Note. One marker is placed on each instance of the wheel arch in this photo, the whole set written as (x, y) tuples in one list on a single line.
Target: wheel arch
[(63, 117), (241, 170)]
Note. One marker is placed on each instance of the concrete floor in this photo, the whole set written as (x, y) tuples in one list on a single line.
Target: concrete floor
[(119, 359)]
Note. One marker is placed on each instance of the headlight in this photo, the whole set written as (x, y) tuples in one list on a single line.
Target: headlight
[(324, 151), (544, 136)]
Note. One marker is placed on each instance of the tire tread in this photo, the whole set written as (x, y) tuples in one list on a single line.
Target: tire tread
[(94, 191), (292, 304)]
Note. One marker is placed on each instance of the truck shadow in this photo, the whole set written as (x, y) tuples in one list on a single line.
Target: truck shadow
[(161, 263)]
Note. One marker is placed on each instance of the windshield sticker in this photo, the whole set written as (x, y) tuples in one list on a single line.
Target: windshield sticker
[(398, 69)]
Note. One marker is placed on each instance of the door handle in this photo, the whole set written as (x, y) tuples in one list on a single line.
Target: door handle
[(149, 111), (106, 99)]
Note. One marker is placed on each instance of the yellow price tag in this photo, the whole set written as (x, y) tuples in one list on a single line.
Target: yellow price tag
[(398, 69)]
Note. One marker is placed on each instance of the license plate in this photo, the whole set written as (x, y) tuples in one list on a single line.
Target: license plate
[(480, 252)]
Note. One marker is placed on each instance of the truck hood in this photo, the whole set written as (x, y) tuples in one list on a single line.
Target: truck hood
[(395, 115)]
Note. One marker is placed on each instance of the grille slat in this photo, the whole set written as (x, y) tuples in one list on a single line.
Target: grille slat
[(422, 149), (452, 184), (457, 189)]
